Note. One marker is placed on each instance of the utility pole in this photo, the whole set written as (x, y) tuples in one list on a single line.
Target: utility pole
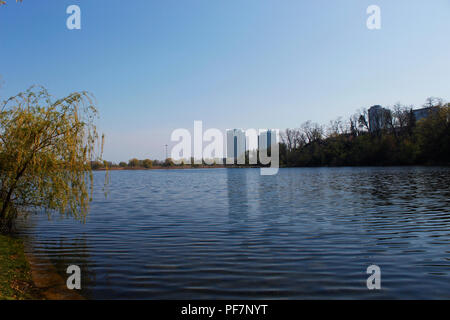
[(166, 150)]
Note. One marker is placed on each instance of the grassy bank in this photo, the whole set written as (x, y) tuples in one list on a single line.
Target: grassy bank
[(15, 273)]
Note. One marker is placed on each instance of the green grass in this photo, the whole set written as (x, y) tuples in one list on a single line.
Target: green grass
[(15, 274)]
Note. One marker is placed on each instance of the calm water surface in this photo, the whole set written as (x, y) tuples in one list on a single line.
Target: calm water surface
[(231, 233)]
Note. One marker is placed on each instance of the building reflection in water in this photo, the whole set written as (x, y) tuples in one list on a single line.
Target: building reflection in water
[(237, 191)]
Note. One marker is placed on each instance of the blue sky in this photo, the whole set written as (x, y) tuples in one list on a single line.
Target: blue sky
[(155, 66)]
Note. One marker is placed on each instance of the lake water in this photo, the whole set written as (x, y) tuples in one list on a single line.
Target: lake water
[(231, 233)]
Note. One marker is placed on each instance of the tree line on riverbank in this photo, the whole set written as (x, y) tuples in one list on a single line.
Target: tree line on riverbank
[(136, 164), (399, 140)]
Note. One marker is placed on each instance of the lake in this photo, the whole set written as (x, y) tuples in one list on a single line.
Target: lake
[(305, 233)]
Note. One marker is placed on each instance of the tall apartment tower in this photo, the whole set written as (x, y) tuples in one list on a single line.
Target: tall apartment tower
[(236, 146), (266, 139), (377, 118)]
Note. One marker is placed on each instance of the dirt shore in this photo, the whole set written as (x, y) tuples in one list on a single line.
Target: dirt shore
[(46, 279)]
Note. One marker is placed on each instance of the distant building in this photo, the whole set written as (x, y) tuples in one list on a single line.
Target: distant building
[(423, 113), (266, 139), (378, 117), (236, 146)]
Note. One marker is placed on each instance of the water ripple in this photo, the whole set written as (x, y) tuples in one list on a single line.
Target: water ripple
[(231, 233)]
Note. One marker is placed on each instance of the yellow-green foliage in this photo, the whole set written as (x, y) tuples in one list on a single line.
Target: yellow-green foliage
[(147, 163), (46, 146)]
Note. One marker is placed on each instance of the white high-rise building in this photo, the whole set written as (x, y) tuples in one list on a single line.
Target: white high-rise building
[(267, 139), (236, 146)]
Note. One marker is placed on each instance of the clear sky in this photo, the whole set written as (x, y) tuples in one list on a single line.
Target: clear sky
[(158, 65)]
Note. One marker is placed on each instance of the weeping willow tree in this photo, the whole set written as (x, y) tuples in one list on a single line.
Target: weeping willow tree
[(46, 149)]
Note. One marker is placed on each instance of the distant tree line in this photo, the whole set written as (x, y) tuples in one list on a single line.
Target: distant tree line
[(145, 164), (132, 163)]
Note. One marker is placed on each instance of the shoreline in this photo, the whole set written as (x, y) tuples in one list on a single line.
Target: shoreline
[(46, 278), (25, 276), (258, 167), (158, 168), (185, 167)]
